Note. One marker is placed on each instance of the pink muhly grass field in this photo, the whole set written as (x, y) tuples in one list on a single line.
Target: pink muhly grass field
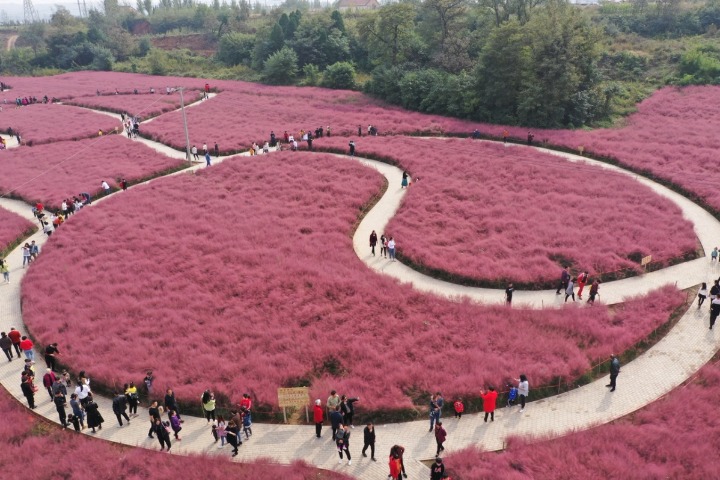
[(242, 278), (144, 105), (675, 437), (22, 432), (39, 124), (13, 228), (490, 214), (49, 173)]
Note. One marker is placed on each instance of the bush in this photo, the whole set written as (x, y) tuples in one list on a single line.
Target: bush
[(281, 67), (236, 48), (312, 75), (339, 75)]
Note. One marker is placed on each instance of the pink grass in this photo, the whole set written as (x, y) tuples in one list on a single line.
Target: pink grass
[(52, 172), (659, 441), (13, 227), (51, 123), (144, 105), (242, 278), (22, 432), (497, 214)]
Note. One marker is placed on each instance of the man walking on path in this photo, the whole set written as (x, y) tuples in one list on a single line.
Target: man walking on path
[(440, 437), (27, 390), (614, 371), (106, 187), (207, 159), (119, 405), (714, 311), (594, 292), (373, 242), (369, 439), (437, 470), (193, 150), (570, 290), (16, 338), (336, 419), (51, 351), (564, 279), (508, 294), (352, 148)]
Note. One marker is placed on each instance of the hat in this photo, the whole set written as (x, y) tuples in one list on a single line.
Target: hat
[(318, 402)]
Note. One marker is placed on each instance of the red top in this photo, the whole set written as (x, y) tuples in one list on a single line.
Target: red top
[(26, 344), (246, 402), (459, 407), (14, 336), (489, 399), (394, 467), (318, 413)]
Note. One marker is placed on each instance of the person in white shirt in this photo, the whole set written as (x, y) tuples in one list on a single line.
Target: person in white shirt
[(193, 150), (391, 248), (523, 391), (82, 391), (105, 187)]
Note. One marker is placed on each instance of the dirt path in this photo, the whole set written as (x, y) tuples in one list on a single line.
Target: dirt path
[(11, 42)]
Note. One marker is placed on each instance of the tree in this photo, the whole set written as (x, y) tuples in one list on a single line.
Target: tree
[(318, 42), (277, 38), (389, 31), (281, 67), (223, 18), (447, 12), (339, 75), (235, 48), (337, 20)]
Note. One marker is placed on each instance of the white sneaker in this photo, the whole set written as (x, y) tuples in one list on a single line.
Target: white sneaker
[(340, 461), (352, 426), (522, 410), (221, 446), (349, 462)]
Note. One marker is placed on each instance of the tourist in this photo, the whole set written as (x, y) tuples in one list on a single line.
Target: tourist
[(570, 290), (318, 417), (437, 469), (702, 294), (714, 290), (78, 410), (564, 279), (395, 469), (614, 371), (6, 345), (205, 149), (51, 352), (26, 254), (119, 405), (148, 381), (336, 419), (714, 311), (440, 403), (74, 421), (582, 280), (530, 138), (512, 395), (246, 402), (48, 380), (83, 393), (594, 292), (399, 451), (163, 435), (59, 401), (124, 185), (34, 250), (489, 399), (359, 131), (175, 424), (714, 254), (131, 394), (440, 437), (391, 248), (373, 242), (352, 148), (383, 246), (233, 436), (509, 293), (505, 136), (246, 422), (105, 187), (459, 408), (332, 402), (221, 431), (342, 441), (94, 418), (369, 441), (208, 405), (154, 412), (434, 412), (217, 150), (5, 269), (523, 391), (207, 159), (26, 345), (404, 182), (347, 407), (28, 391), (194, 152), (59, 386), (170, 402)]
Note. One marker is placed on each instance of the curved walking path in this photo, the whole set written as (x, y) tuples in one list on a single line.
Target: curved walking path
[(687, 347)]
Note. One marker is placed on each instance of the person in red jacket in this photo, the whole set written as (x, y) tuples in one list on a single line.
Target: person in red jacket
[(440, 437), (489, 399), (318, 417), (246, 402), (395, 467), (48, 379), (26, 345), (582, 281), (15, 337), (459, 408)]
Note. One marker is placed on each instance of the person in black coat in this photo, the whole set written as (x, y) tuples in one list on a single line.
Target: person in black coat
[(59, 401), (171, 403), (369, 439), (437, 470), (714, 311), (336, 419), (233, 436), (614, 371), (27, 390), (162, 434), (119, 405), (348, 409), (94, 418)]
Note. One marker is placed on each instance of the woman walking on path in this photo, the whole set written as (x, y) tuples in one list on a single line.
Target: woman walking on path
[(702, 294), (582, 281), (132, 398), (162, 434), (233, 436), (440, 437), (395, 467), (174, 423), (570, 290), (26, 254), (404, 182), (594, 292), (208, 404), (119, 405), (391, 248), (94, 418), (383, 246), (318, 417), (342, 441), (523, 391), (77, 409), (489, 400), (5, 270), (221, 431), (399, 450), (373, 242), (433, 410), (714, 254), (369, 441), (347, 407)]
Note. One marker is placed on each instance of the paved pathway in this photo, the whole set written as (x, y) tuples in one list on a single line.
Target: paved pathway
[(677, 356)]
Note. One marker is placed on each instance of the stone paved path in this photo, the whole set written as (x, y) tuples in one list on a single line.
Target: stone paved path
[(682, 352)]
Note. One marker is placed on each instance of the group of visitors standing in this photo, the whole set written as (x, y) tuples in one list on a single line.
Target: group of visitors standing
[(387, 245), (567, 285)]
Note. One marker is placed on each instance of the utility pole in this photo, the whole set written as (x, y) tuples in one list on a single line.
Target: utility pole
[(187, 134), (31, 15)]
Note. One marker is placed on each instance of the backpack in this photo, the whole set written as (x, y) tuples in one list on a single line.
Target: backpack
[(340, 435)]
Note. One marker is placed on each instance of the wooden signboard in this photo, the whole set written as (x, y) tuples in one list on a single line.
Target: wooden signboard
[(296, 397), (646, 260)]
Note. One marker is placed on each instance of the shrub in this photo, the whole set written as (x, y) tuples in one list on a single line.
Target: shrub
[(339, 75), (281, 67)]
